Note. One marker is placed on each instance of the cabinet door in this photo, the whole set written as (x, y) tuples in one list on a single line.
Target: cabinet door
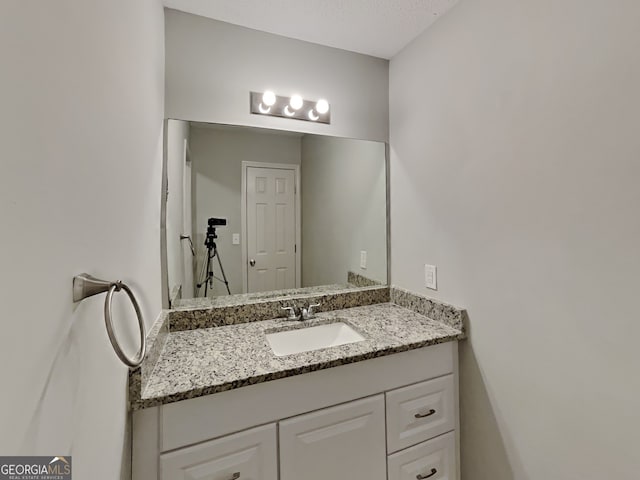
[(420, 412), (433, 460), (343, 442), (249, 455)]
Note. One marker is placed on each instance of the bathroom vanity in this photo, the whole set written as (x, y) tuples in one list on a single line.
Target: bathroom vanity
[(230, 389), (217, 402)]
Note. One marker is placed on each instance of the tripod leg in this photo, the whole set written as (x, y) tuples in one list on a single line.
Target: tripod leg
[(208, 275), (206, 281), (215, 253), (201, 277)]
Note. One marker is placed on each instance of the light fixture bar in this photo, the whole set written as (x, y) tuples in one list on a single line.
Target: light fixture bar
[(284, 107)]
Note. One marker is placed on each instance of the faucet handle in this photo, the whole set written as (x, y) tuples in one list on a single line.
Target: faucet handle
[(292, 313), (310, 311)]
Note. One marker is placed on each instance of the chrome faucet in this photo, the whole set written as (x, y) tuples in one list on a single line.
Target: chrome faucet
[(308, 313), (292, 313), (300, 313)]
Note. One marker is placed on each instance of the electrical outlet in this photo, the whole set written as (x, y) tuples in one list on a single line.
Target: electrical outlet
[(363, 259), (430, 277), (235, 239)]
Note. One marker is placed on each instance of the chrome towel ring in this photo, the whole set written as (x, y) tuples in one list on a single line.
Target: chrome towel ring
[(84, 285)]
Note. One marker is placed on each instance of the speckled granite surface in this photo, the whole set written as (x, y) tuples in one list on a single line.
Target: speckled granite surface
[(156, 339), (238, 309), (360, 280), (210, 360), (436, 310), (246, 298), (175, 295)]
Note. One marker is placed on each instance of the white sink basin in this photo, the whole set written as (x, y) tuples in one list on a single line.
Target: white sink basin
[(312, 338)]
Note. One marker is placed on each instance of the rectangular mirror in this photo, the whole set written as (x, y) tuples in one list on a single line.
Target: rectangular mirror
[(263, 213)]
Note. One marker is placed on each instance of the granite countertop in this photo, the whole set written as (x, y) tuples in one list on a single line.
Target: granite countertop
[(203, 361), (250, 298)]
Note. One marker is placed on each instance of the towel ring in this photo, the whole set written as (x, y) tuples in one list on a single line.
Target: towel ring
[(137, 360), (86, 286)]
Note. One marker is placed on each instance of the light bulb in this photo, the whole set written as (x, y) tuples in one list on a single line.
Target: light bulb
[(312, 116), (322, 106), (263, 109), (268, 98), (296, 102)]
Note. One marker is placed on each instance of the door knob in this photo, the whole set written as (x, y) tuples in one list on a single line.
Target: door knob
[(252, 262)]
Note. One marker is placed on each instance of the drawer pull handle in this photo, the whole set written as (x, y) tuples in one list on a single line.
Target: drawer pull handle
[(235, 476), (424, 415), (422, 477)]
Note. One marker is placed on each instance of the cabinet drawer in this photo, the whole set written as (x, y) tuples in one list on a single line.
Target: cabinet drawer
[(433, 460), (249, 455), (345, 442), (420, 412)]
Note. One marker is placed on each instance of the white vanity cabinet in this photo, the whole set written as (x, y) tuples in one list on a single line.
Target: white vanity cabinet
[(346, 441), (392, 417), (434, 459), (420, 412), (423, 417), (249, 455)]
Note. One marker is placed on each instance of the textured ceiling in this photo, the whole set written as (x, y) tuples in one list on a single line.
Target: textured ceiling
[(374, 27)]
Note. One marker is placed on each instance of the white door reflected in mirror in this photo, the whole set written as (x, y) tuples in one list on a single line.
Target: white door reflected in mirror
[(271, 228)]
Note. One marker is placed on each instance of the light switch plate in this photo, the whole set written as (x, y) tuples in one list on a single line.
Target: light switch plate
[(235, 239), (430, 277), (363, 259)]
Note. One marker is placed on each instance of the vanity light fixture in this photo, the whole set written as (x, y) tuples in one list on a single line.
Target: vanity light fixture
[(268, 98), (263, 110), (296, 102), (322, 106), (294, 107)]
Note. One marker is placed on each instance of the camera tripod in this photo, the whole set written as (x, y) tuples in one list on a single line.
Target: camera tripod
[(212, 252)]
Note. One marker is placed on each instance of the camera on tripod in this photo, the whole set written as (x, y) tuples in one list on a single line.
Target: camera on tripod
[(213, 223), (217, 222), (212, 252)]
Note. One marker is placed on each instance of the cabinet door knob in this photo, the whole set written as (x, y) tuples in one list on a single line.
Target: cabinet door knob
[(252, 262), (424, 415), (235, 476), (422, 477)]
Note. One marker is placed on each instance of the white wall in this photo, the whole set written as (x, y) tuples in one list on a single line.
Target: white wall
[(344, 209), (217, 156), (212, 66), (515, 167), (81, 133), (177, 134)]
